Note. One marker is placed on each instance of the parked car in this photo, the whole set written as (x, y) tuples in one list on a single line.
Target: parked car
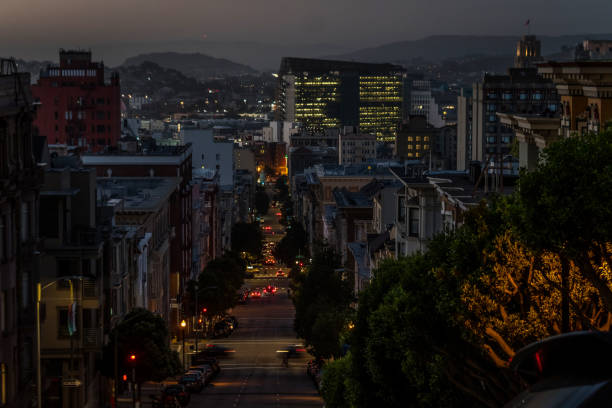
[(211, 361), (164, 401), (192, 383), (280, 273), (222, 329), (179, 392), (232, 320), (206, 373), (570, 370)]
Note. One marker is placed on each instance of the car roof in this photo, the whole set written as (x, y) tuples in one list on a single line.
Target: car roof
[(564, 397)]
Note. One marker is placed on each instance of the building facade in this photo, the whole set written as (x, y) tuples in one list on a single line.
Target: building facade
[(77, 107), (20, 181), (415, 138), (324, 94), (522, 91), (355, 147)]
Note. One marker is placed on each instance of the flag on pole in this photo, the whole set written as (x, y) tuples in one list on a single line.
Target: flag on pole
[(527, 23)]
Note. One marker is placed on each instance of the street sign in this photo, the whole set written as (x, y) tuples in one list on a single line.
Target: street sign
[(71, 382)]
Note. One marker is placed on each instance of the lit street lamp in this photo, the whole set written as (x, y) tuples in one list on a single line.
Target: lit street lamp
[(183, 325)]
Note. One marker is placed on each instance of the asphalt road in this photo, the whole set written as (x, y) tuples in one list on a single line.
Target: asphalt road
[(253, 376)]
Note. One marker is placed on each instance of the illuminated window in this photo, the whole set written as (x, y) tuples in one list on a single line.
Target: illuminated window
[(418, 138), (425, 146), (426, 138), (410, 138), (418, 147)]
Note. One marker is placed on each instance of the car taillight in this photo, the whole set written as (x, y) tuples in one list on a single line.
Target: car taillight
[(300, 350)]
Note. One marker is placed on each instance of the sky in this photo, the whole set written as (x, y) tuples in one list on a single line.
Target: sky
[(30, 27)]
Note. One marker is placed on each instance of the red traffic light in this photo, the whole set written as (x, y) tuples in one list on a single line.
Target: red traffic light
[(132, 357), (204, 310), (124, 377)]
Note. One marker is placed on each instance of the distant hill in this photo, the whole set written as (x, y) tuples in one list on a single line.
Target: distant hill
[(196, 65), (150, 79), (440, 47)]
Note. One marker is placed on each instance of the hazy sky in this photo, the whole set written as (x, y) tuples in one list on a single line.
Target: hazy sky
[(34, 24)]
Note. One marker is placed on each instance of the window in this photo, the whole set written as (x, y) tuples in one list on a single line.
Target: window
[(413, 222), (410, 138), (492, 118), (552, 107), (418, 147), (523, 96), (538, 96), (426, 138), (506, 139), (491, 107), (507, 96), (56, 115), (418, 138), (100, 115), (409, 147), (492, 95), (401, 209), (100, 101), (100, 128), (491, 139), (56, 128), (425, 146)]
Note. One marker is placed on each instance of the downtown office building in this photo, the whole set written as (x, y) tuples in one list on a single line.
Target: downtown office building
[(322, 94)]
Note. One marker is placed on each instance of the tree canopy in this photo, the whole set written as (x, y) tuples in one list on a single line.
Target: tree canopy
[(262, 201), (146, 336), (438, 328), (322, 299), (292, 244), (247, 237)]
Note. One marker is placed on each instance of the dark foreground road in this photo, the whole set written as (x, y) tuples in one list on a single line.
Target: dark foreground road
[(253, 376)]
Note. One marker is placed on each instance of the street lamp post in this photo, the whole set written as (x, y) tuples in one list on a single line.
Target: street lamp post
[(183, 325)]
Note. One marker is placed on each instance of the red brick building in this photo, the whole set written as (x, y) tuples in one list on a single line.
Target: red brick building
[(77, 107)]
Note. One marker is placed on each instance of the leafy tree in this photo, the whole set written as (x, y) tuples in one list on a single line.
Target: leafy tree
[(247, 237), (322, 301), (146, 336), (335, 383), (566, 209), (218, 284), (292, 244), (262, 202)]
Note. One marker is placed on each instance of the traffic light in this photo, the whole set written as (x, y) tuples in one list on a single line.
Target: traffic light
[(204, 310), (124, 378), (132, 358), (200, 321)]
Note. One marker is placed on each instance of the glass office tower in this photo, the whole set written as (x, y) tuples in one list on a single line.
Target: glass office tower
[(324, 94)]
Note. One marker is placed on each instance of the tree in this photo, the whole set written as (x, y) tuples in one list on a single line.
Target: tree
[(322, 301), (334, 384), (292, 244), (247, 237), (218, 284), (566, 209), (144, 335), (262, 202)]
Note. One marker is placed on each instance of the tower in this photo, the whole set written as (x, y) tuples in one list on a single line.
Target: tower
[(527, 52)]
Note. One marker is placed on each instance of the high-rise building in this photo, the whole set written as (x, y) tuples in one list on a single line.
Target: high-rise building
[(77, 106), (521, 91), (586, 105), (324, 94), (527, 52), (464, 129)]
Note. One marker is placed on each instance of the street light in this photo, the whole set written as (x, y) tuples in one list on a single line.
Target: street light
[(183, 325)]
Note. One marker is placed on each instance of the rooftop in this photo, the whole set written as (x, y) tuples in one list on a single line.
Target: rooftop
[(137, 193), (320, 66), (348, 199)]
